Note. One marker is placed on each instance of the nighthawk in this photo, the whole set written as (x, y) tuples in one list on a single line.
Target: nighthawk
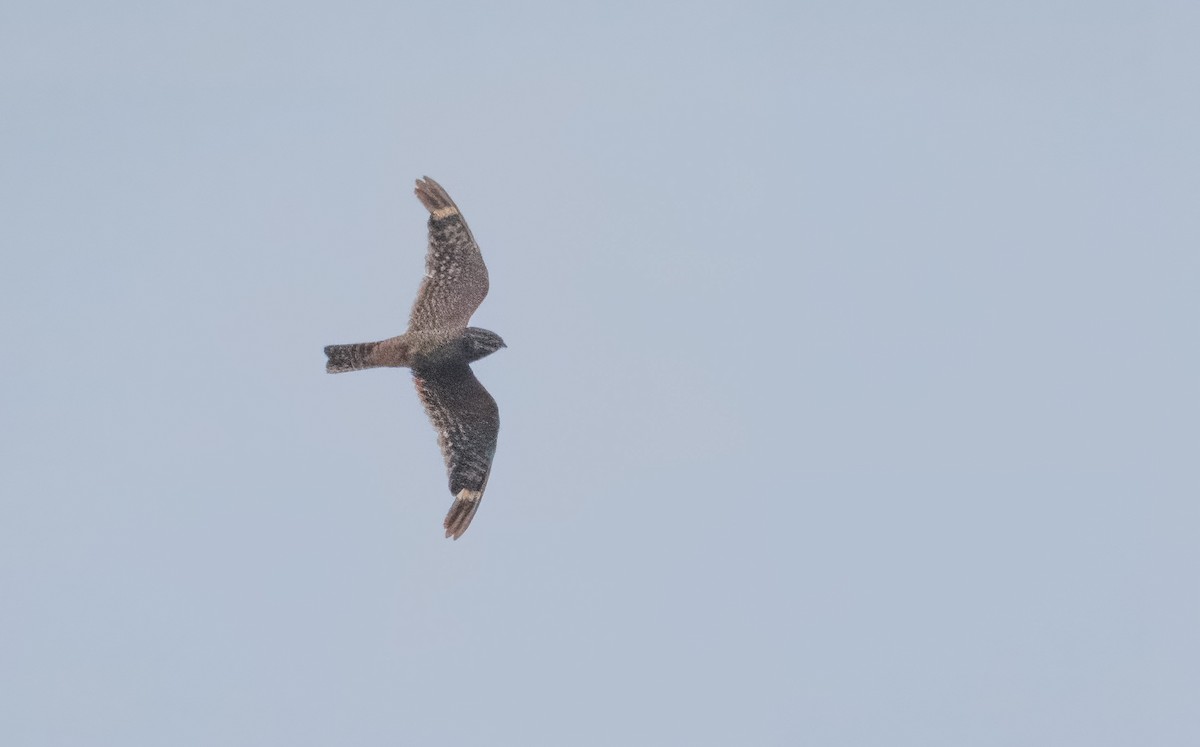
[(439, 348)]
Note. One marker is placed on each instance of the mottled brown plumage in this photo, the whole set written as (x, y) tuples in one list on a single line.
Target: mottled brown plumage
[(439, 348)]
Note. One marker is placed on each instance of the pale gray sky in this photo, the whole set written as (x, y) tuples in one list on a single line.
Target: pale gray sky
[(850, 398)]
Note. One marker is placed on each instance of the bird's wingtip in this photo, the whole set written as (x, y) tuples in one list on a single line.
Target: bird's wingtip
[(434, 198), (466, 503)]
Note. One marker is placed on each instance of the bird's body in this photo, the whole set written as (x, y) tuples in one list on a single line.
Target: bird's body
[(439, 348), (427, 348)]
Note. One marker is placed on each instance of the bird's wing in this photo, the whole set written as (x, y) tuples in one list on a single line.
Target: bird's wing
[(456, 280), (467, 421)]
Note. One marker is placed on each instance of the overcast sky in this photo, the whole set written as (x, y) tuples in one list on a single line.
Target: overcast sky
[(851, 395)]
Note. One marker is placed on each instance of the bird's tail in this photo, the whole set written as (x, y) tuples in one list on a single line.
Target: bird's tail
[(354, 357)]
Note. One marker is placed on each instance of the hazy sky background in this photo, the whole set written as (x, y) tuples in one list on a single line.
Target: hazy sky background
[(851, 395)]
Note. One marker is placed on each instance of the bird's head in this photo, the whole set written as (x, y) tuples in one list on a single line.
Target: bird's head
[(481, 342)]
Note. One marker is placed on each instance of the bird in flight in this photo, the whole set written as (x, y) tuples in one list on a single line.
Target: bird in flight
[(439, 348)]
